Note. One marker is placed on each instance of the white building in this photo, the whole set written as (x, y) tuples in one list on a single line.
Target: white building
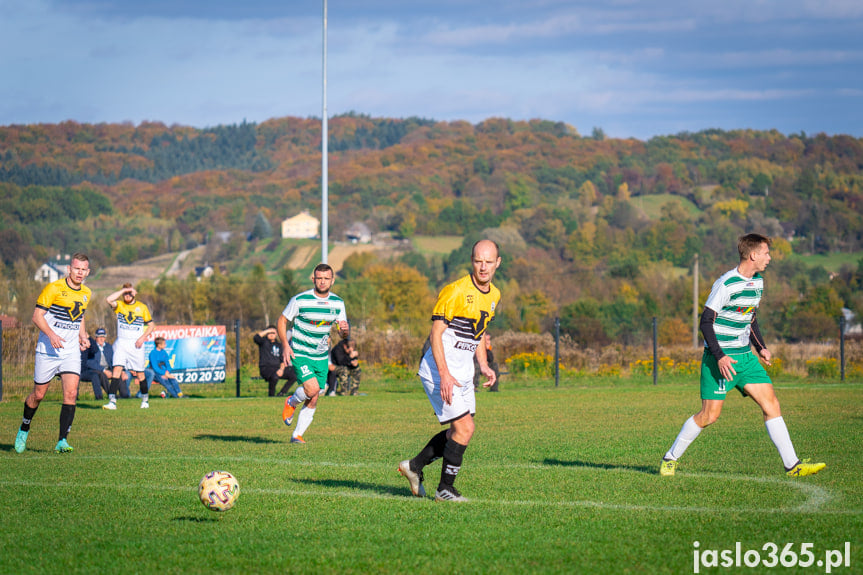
[(302, 225), (52, 270)]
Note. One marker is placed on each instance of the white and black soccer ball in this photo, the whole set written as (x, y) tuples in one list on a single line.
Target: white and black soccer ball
[(218, 490)]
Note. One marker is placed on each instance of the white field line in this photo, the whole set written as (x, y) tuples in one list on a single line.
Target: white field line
[(816, 496)]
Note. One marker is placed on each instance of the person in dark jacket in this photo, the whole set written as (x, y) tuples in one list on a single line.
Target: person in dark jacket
[(270, 362), (96, 362)]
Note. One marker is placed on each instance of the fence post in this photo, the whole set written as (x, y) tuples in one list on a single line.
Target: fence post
[(655, 354), (556, 352), (1, 361), (842, 347), (237, 349)]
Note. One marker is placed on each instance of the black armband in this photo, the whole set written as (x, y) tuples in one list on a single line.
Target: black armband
[(757, 339), (708, 317)]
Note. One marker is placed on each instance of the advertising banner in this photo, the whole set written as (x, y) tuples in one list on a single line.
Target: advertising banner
[(196, 352)]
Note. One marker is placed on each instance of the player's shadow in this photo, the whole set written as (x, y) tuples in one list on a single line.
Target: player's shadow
[(236, 438), (89, 405), (348, 484), (605, 466), (191, 519)]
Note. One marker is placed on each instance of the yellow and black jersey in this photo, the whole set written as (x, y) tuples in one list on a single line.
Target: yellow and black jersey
[(132, 319), (467, 311), (64, 310)]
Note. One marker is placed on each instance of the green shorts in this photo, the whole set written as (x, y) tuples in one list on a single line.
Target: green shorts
[(308, 368), (748, 368)]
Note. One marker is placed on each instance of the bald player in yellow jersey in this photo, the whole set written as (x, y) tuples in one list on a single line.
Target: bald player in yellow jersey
[(461, 315)]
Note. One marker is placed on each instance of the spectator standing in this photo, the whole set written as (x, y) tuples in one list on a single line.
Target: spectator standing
[(271, 364), (59, 315)]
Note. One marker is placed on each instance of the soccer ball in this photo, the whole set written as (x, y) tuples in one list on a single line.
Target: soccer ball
[(218, 490)]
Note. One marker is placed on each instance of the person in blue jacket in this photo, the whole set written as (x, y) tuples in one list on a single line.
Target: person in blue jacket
[(159, 370), (96, 362)]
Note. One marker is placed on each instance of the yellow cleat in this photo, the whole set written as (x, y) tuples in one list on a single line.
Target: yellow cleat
[(667, 467), (803, 468)]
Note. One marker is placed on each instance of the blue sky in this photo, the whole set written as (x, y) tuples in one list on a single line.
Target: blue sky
[(632, 67)]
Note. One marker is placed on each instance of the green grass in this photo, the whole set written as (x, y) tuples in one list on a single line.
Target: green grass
[(562, 480), (441, 245), (652, 204), (831, 262)]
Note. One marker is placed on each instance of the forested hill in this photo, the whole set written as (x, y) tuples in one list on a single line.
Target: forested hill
[(568, 209)]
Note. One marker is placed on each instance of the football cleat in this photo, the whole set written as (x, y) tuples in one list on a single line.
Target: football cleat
[(414, 478), (449, 494), (667, 467), (298, 439), (63, 447), (145, 405), (288, 412), (21, 441), (804, 468), (110, 405)]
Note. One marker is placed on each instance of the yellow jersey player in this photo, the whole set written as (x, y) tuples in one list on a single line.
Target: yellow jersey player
[(134, 324), (59, 315), (461, 315)]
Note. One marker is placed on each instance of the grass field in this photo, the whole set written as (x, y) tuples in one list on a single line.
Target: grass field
[(831, 262), (652, 204), (561, 480)]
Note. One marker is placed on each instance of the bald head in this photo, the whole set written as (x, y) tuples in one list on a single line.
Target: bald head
[(485, 259)]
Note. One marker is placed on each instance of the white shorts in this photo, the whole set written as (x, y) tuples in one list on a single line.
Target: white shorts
[(463, 400), (128, 356), (47, 366)]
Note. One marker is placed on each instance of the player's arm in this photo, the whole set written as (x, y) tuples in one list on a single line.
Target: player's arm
[(148, 329), (482, 360), (83, 338), (708, 318), (112, 299), (282, 330), (447, 381), (42, 324), (758, 341)]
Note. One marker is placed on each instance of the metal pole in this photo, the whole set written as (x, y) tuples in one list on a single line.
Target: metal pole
[(842, 347), (655, 354), (556, 352), (695, 303), (1, 361), (237, 350), (324, 148)]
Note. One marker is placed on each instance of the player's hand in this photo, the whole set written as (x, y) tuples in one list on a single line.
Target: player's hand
[(489, 373), (766, 356), (726, 368), (84, 343), (344, 327), (287, 355), (56, 341), (139, 343), (447, 383)]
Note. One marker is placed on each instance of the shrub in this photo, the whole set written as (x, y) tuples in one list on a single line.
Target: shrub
[(535, 364), (823, 368)]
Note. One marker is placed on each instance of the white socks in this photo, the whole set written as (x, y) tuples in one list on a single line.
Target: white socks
[(687, 435), (778, 432), (304, 420)]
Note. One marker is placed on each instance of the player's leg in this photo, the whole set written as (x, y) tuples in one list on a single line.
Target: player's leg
[(304, 420), (306, 373), (765, 396), (44, 369), (114, 384), (70, 383), (144, 387), (459, 435)]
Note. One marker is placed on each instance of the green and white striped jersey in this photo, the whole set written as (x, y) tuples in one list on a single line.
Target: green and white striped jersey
[(312, 319), (735, 299)]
